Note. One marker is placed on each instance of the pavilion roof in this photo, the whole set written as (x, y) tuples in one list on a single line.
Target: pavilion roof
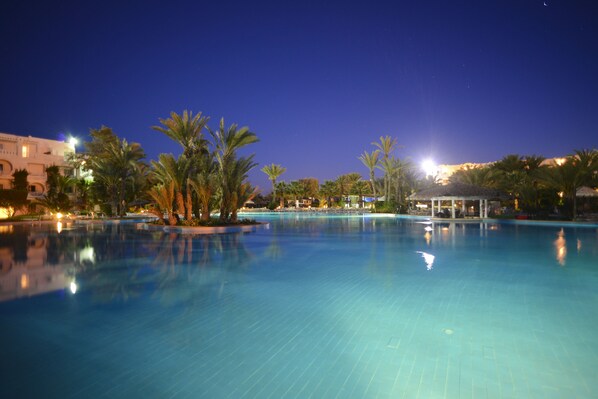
[(586, 191), (457, 191)]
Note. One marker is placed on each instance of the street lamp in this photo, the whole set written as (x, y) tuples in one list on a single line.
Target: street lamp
[(429, 167)]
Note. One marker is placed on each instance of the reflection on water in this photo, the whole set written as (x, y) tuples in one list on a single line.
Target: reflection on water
[(428, 258), (560, 245), (117, 262), (36, 261), (112, 261)]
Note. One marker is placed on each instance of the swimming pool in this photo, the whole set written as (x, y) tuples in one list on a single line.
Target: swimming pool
[(323, 307)]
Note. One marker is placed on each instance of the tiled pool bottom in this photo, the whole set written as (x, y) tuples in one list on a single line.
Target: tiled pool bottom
[(320, 308)]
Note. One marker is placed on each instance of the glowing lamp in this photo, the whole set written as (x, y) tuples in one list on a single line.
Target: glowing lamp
[(429, 167)]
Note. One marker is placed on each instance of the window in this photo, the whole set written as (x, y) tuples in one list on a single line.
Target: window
[(1, 168), (25, 151), (32, 189)]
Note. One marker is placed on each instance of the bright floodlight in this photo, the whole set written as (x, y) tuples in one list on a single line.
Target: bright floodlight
[(429, 167), (73, 141)]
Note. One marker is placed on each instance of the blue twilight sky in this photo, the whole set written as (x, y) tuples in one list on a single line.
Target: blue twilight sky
[(317, 81)]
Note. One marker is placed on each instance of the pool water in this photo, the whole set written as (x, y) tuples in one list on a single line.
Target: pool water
[(322, 307)]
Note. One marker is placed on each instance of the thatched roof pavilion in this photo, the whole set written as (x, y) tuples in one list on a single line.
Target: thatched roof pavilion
[(457, 192)]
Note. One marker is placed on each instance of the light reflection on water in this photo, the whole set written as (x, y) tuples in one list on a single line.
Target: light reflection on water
[(38, 260), (250, 306), (560, 245)]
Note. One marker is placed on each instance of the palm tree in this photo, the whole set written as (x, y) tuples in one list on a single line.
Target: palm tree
[(328, 190), (359, 188), (238, 190), (163, 195), (168, 169), (310, 187), (484, 176), (283, 191), (371, 160), (577, 171), (387, 145), (343, 184), (186, 129), (245, 193), (124, 161), (273, 171), (56, 198), (205, 185), (231, 171)]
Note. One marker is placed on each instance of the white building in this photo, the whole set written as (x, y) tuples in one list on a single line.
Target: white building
[(34, 155)]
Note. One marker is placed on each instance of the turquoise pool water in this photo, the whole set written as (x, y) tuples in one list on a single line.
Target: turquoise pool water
[(342, 307)]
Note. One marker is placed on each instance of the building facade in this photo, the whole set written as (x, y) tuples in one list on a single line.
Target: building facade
[(34, 155)]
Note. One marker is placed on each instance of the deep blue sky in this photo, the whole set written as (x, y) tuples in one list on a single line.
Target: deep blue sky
[(317, 81)]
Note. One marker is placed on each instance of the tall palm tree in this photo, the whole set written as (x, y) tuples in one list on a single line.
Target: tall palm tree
[(237, 190), (386, 145), (205, 185), (124, 161), (371, 160), (231, 171), (273, 171), (186, 129)]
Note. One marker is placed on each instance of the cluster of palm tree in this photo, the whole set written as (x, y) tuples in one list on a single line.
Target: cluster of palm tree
[(400, 177), (119, 175), (209, 175), (535, 185), (331, 193)]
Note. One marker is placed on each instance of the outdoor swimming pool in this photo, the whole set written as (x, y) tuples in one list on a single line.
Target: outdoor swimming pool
[(322, 307)]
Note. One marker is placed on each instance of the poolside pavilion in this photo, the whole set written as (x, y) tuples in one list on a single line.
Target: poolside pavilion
[(462, 198)]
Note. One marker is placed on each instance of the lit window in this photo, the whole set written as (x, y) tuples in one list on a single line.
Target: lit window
[(25, 151)]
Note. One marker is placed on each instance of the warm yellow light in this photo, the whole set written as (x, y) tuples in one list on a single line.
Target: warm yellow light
[(24, 281), (59, 227), (428, 238), (560, 161), (560, 245), (6, 229), (59, 215)]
